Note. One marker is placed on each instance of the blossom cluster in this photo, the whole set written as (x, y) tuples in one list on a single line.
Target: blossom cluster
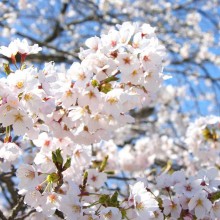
[(120, 71), (55, 121), (21, 47), (203, 140), (61, 113), (176, 197), (179, 197)]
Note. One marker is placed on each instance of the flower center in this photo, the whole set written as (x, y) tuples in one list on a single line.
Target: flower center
[(20, 85), (112, 100), (29, 174), (52, 198), (76, 208), (108, 215), (18, 117)]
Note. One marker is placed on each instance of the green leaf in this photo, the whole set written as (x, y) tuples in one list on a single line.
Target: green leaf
[(123, 213), (7, 68), (67, 164), (54, 157), (104, 199), (106, 87), (215, 196), (59, 157), (104, 163), (110, 79), (110, 172), (94, 83), (114, 200)]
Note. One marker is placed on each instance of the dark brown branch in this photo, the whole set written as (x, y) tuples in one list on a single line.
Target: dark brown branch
[(17, 208), (25, 216), (2, 217), (122, 178), (57, 29), (10, 187)]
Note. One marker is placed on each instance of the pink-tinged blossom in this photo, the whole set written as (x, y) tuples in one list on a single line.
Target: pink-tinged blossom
[(183, 200), (189, 188), (43, 160), (127, 159), (144, 205), (137, 188), (97, 122), (113, 103), (19, 46), (208, 178), (90, 97), (33, 198), (156, 215), (200, 204), (9, 51), (39, 215), (10, 151), (47, 77), (33, 100), (151, 62), (71, 207), (28, 177), (138, 154), (83, 105), (50, 202), (96, 178), (90, 217), (111, 148), (77, 113), (93, 43), (126, 31), (135, 76), (127, 63), (22, 80), (19, 119), (178, 177), (44, 141), (79, 74), (148, 31), (215, 210), (139, 43), (142, 200), (163, 181), (69, 97), (25, 48), (110, 213), (81, 155), (201, 143), (172, 207), (111, 40)]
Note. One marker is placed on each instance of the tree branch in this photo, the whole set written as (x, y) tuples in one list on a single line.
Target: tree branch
[(2, 217), (17, 208)]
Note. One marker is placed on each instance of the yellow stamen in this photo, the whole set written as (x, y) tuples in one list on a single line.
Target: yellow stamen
[(20, 85), (18, 117)]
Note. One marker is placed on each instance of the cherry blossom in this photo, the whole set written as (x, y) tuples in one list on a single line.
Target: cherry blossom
[(59, 123)]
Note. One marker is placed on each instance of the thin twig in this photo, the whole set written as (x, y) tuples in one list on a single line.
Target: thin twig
[(24, 216), (16, 209)]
